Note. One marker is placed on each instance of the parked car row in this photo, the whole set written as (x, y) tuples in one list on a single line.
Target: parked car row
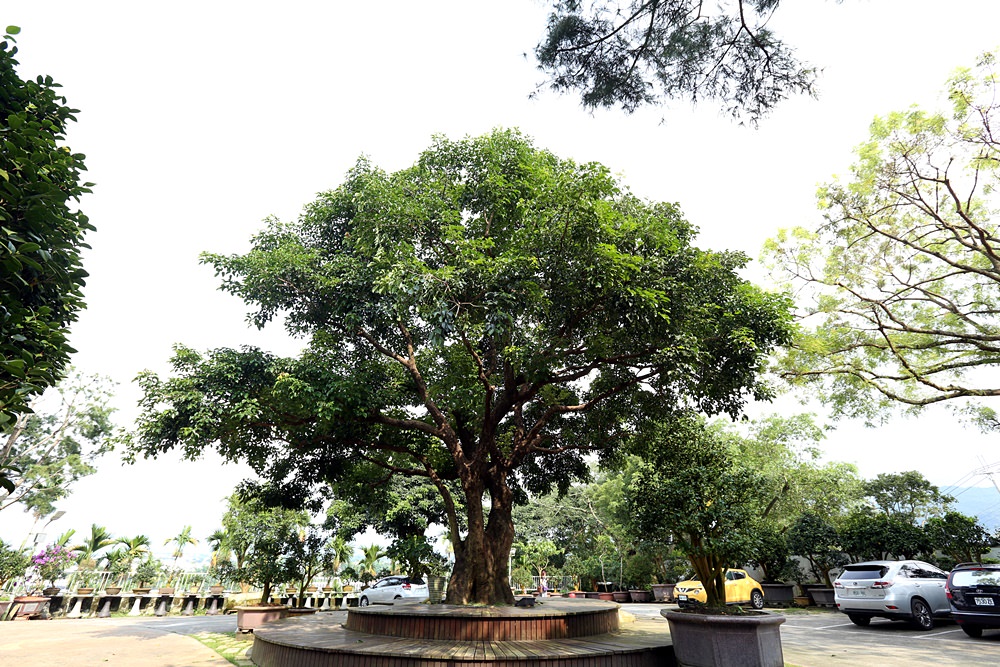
[(920, 593)]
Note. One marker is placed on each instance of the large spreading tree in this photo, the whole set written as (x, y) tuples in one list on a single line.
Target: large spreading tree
[(41, 235), (630, 53), (899, 285), (491, 315)]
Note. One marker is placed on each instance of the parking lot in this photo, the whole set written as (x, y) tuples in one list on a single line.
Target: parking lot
[(823, 637), (810, 638)]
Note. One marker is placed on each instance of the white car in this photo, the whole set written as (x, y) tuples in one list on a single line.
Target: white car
[(909, 590), (389, 589)]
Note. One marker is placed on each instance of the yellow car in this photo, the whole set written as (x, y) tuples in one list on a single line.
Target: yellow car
[(741, 588)]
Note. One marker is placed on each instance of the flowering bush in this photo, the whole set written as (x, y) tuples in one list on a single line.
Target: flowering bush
[(51, 562)]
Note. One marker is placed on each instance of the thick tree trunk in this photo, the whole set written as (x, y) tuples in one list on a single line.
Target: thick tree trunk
[(480, 572)]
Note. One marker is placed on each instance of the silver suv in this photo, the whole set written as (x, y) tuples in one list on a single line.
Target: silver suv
[(909, 590)]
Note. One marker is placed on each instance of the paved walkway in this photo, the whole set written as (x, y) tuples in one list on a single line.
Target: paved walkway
[(809, 640), (100, 643)]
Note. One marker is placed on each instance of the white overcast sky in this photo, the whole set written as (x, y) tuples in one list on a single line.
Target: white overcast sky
[(199, 119)]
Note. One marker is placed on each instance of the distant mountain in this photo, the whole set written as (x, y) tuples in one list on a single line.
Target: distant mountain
[(979, 501)]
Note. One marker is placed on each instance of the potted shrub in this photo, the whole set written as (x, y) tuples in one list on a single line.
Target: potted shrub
[(520, 579), (774, 560), (693, 487), (146, 573), (51, 562), (195, 581), (307, 557), (265, 537), (817, 540), (348, 575), (13, 564)]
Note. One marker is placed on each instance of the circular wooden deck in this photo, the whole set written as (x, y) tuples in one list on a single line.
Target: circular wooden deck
[(550, 620), (556, 633)]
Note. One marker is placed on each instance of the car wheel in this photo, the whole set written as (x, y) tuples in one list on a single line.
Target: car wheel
[(972, 630), (857, 619), (757, 599), (363, 602), (922, 618)]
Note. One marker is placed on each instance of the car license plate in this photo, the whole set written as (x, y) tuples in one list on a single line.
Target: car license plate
[(858, 592), (682, 598), (985, 602)]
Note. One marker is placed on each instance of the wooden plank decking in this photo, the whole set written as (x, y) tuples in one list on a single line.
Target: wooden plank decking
[(322, 641)]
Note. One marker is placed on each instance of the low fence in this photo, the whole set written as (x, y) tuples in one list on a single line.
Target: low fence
[(100, 580)]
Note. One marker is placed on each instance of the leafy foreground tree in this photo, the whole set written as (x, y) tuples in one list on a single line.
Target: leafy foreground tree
[(41, 235), (618, 53), (264, 541), (490, 315), (696, 489), (46, 450), (13, 563), (899, 286)]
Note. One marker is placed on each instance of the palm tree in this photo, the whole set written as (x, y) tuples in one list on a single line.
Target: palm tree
[(341, 552), (100, 537), (64, 538), (220, 550), (135, 547), (371, 555), (181, 540)]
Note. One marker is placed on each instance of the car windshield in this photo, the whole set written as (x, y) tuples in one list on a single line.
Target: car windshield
[(976, 578), (864, 572)]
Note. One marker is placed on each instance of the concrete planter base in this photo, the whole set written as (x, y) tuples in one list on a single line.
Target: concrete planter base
[(779, 594), (249, 617), (704, 640), (663, 592), (823, 597)]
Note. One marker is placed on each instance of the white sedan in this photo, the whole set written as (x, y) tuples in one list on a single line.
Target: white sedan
[(389, 589)]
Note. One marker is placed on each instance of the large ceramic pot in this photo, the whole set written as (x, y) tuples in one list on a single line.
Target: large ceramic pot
[(113, 590), (822, 597), (640, 596), (722, 640), (249, 617), (216, 590), (435, 588), (621, 596), (779, 594), (601, 595), (807, 590), (663, 592)]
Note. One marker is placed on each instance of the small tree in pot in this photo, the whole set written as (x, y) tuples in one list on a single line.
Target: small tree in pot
[(817, 540), (147, 572), (13, 563), (692, 488)]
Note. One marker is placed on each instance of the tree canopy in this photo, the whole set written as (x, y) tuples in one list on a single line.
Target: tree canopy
[(637, 52), (489, 316), (41, 235), (899, 285), (47, 450)]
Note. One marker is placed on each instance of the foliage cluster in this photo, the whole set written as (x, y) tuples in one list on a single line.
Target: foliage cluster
[(898, 285), (631, 53), (41, 235)]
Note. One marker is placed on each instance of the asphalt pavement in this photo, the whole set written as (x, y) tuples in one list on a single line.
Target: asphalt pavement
[(810, 638)]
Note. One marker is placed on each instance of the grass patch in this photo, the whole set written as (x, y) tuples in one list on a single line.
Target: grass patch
[(805, 610), (233, 646)]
